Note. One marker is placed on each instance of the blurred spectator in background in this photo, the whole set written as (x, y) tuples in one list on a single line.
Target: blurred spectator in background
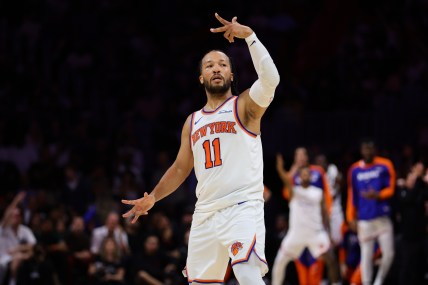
[(16, 241), (412, 193), (108, 267), (136, 234), (127, 186), (54, 246), (76, 193), (37, 269), (152, 266), (111, 228), (161, 226), (79, 254)]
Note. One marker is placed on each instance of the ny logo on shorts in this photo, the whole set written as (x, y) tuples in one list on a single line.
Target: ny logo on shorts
[(236, 247)]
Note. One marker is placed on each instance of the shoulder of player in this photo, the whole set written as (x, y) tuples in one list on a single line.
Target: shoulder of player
[(382, 161), (317, 168), (355, 166), (385, 162), (188, 124)]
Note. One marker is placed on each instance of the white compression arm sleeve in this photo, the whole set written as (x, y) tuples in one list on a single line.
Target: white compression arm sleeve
[(263, 90)]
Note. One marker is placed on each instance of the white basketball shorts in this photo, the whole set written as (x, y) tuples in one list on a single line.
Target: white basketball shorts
[(236, 232), (295, 242)]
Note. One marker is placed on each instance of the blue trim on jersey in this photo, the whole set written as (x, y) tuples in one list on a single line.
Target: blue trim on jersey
[(239, 120), (191, 128), (211, 112)]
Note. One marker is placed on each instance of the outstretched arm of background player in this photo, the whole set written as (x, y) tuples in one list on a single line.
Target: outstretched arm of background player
[(285, 177), (12, 206), (254, 101), (170, 181)]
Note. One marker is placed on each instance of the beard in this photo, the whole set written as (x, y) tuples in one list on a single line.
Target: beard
[(217, 89)]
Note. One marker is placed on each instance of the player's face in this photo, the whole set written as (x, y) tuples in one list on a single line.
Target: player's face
[(305, 175), (368, 151), (301, 157), (216, 74)]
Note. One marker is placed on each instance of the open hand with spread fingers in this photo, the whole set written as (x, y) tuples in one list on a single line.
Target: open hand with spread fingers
[(232, 29), (141, 206)]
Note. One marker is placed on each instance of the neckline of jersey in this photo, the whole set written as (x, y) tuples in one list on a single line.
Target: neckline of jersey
[(221, 105)]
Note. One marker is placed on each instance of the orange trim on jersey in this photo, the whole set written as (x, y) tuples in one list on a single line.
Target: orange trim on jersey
[(328, 198), (235, 113), (387, 192), (248, 253), (213, 111), (351, 211)]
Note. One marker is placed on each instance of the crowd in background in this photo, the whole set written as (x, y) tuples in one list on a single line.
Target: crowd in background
[(93, 95)]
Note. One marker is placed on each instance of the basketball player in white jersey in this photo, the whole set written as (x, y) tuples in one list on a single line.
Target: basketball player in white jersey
[(222, 143), (309, 226)]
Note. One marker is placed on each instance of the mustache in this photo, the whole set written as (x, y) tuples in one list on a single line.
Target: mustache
[(217, 76)]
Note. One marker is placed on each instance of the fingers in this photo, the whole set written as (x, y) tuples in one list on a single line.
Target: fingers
[(221, 20), (219, 30), (135, 219), (129, 202), (18, 198), (128, 214), (279, 160), (228, 35)]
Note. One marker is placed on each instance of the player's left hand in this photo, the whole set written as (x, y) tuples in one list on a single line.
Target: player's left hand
[(370, 194), (141, 206), (232, 29)]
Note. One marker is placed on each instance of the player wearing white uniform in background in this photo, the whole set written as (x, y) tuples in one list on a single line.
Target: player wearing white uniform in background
[(336, 216), (222, 143), (309, 226)]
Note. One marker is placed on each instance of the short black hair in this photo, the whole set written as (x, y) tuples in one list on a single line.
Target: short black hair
[(367, 140)]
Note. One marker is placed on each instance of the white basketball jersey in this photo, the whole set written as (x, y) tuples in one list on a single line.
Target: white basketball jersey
[(228, 159), (305, 209)]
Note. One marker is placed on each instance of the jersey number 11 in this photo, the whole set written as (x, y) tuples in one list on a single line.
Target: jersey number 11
[(209, 163)]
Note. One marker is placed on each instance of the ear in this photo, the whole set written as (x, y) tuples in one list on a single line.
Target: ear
[(231, 77), (201, 79)]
